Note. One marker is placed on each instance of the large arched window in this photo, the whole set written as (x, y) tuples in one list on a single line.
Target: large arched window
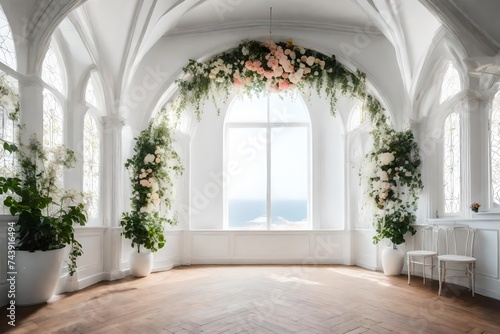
[(451, 164), (53, 121), (92, 147), (267, 160), (53, 113), (7, 48), (91, 92), (357, 115), (9, 100), (91, 164), (52, 72), (495, 150), (451, 84)]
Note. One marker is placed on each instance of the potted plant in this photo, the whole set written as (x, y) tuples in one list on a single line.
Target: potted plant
[(151, 169), (394, 183), (46, 216)]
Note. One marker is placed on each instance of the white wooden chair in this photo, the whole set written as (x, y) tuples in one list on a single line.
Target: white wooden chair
[(459, 253), (426, 255)]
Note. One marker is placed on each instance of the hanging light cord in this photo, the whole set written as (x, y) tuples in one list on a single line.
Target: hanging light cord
[(270, 23)]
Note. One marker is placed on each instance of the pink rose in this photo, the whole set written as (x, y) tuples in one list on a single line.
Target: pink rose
[(272, 63), (278, 71), (284, 85), (238, 82)]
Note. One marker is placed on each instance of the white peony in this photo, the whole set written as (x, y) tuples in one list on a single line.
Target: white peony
[(386, 158), (383, 175), (149, 158)]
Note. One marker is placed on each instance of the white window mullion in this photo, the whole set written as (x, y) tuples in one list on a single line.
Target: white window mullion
[(269, 162)]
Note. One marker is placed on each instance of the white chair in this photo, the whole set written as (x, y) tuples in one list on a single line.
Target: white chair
[(460, 254), (426, 255)]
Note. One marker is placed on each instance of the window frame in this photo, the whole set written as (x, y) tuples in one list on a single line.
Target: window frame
[(460, 150), (491, 197), (93, 114), (268, 126)]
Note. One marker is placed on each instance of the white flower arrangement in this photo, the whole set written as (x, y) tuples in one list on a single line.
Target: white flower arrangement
[(152, 169), (392, 173)]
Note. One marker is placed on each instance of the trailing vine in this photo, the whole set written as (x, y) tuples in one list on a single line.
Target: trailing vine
[(255, 67)]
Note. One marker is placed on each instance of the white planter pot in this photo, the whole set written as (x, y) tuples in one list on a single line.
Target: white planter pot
[(37, 275), (141, 264), (392, 261)]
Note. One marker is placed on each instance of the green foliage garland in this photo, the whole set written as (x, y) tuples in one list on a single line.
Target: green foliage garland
[(255, 67)]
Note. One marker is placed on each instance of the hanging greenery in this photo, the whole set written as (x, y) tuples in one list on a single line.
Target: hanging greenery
[(254, 67)]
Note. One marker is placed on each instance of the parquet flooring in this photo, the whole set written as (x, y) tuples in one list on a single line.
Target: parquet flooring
[(262, 299)]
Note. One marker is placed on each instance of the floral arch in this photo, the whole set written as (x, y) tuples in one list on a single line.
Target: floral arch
[(255, 67)]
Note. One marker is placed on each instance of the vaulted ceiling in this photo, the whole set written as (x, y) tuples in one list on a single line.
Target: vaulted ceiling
[(115, 36)]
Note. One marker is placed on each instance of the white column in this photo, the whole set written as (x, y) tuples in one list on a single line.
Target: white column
[(112, 193), (74, 140), (31, 104)]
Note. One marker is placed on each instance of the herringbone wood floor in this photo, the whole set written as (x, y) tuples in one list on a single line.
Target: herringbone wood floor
[(262, 299)]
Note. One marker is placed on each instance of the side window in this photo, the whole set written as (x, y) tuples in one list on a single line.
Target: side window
[(451, 83), (91, 164), (495, 150), (451, 164)]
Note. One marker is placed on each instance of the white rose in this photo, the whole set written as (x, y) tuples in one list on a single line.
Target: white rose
[(408, 174), (149, 158), (386, 158), (382, 175), (310, 61)]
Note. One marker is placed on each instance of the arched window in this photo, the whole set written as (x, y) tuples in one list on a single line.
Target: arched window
[(451, 164), (91, 92), (495, 150), (267, 160), (451, 84), (53, 120), (7, 48), (9, 101), (52, 70), (91, 164), (357, 115)]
